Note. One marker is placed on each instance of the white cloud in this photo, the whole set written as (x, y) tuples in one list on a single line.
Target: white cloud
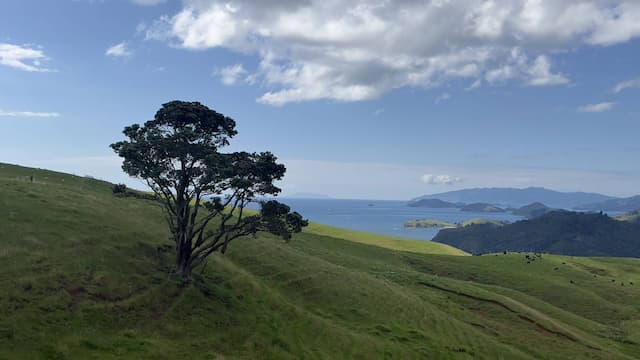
[(378, 111), (23, 57), (119, 50), (442, 97), (28, 114), (439, 179), (540, 73), (628, 84), (596, 108), (358, 50), (229, 75)]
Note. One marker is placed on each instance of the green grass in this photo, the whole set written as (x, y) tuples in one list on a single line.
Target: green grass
[(388, 242), (84, 275)]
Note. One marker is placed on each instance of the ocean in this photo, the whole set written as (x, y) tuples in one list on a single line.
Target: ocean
[(382, 216)]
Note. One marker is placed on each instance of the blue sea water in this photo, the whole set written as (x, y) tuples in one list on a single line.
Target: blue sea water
[(382, 216)]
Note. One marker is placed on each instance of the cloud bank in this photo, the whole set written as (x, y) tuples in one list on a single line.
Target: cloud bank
[(358, 50)]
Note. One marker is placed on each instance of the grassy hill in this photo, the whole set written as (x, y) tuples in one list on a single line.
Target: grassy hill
[(84, 275)]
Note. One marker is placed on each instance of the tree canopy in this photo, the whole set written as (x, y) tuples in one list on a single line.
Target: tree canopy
[(178, 155)]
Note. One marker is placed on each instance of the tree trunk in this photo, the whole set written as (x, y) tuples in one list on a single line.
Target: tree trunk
[(183, 263)]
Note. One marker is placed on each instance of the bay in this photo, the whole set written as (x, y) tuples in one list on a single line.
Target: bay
[(385, 217)]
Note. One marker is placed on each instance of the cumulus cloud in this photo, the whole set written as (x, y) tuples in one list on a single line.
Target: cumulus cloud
[(28, 114), (439, 179), (628, 84), (22, 57), (596, 108), (119, 50), (229, 75), (358, 50)]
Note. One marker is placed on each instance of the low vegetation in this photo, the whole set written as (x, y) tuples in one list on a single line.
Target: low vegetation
[(428, 224), (481, 221), (632, 217), (86, 275)]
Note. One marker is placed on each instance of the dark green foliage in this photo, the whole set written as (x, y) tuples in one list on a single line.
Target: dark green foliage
[(119, 188), (177, 155), (557, 232)]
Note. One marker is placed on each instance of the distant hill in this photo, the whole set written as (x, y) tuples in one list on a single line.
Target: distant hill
[(557, 232), (519, 197), (626, 204), (482, 207), (433, 204), (532, 210)]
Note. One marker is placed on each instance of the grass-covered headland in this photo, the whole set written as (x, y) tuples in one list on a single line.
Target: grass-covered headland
[(86, 275)]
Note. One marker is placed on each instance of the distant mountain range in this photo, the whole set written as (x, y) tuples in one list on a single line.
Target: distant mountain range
[(626, 204), (556, 232), (511, 197)]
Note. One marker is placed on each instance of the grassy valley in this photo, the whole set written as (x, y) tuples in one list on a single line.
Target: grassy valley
[(85, 275)]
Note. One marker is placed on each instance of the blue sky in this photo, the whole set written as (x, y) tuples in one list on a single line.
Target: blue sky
[(375, 99)]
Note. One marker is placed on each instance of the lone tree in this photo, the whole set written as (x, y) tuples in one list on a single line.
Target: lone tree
[(204, 192)]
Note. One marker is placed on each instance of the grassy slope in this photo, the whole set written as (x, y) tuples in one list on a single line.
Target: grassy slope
[(83, 275)]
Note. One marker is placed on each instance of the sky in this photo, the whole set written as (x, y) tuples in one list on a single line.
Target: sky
[(379, 99)]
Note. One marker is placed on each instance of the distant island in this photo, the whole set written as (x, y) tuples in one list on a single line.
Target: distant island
[(433, 204), (511, 197), (532, 210), (430, 223), (556, 232), (482, 207)]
